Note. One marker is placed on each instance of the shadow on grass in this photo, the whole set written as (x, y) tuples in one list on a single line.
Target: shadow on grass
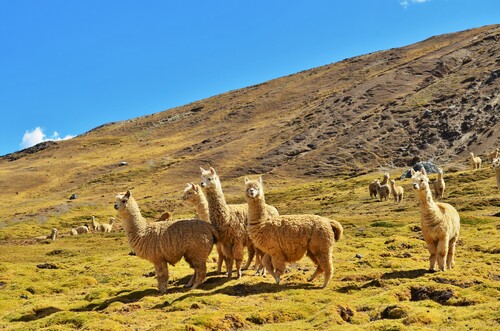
[(124, 298), (409, 274), (37, 314)]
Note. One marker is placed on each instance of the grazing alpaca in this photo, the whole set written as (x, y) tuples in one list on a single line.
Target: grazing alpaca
[(230, 221), (440, 223), (496, 166), (372, 188), (51, 236), (164, 243), (475, 161), (286, 238), (107, 227), (79, 230), (439, 185), (94, 225), (194, 196), (397, 191)]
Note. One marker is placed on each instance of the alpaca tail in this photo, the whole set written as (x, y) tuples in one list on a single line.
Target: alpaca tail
[(337, 228), (215, 234)]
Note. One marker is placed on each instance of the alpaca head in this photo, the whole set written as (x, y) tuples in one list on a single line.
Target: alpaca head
[(386, 175), (393, 182), (419, 179), (122, 200), (192, 193), (254, 188), (496, 163), (209, 178)]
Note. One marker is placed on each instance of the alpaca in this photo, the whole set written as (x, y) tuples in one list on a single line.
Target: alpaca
[(385, 181), (286, 238), (397, 191), (383, 191), (194, 196), (439, 185), (475, 161), (496, 166), (79, 230), (495, 154), (166, 216), (164, 243), (107, 227), (372, 188), (94, 225), (230, 221), (440, 223), (51, 236)]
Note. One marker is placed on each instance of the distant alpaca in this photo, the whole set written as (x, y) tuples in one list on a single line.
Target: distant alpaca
[(397, 191), (385, 181), (496, 166), (495, 154), (164, 243), (440, 223), (194, 196), (166, 216), (94, 225), (475, 161), (372, 188), (286, 238), (79, 230), (51, 236), (383, 191), (107, 227), (439, 185), (229, 220)]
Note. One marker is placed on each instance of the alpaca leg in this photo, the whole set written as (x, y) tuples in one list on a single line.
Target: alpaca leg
[(442, 253), (161, 269), (450, 259), (251, 254), (200, 273), (220, 258), (432, 247), (228, 259), (238, 257), (268, 265), (191, 280)]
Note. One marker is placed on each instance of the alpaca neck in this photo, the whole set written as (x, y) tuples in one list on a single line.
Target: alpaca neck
[(257, 211), (217, 206), (428, 207), (133, 222), (202, 208)]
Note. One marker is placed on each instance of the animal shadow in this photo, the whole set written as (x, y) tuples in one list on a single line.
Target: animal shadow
[(124, 298)]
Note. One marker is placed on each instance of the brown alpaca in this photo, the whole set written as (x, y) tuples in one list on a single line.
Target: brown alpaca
[(372, 188), (475, 161), (397, 191), (286, 238), (439, 185), (440, 223)]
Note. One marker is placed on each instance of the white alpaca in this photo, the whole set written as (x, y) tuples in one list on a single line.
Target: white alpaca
[(94, 225), (495, 154), (475, 161), (440, 223), (79, 230), (496, 166), (286, 238), (439, 185), (107, 227), (167, 242), (51, 236), (230, 221)]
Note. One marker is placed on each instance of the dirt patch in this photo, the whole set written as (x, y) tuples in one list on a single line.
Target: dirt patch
[(419, 293)]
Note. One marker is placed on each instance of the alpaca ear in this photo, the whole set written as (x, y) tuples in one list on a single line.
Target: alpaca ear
[(423, 171), (412, 172), (202, 170), (195, 187), (127, 195), (247, 180), (260, 180), (212, 171)]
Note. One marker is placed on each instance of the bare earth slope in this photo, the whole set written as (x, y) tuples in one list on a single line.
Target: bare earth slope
[(437, 99)]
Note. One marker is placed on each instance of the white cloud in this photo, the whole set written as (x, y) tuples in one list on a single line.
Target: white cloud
[(406, 3), (36, 136)]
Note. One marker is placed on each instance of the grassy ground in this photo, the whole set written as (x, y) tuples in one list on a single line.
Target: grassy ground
[(381, 280)]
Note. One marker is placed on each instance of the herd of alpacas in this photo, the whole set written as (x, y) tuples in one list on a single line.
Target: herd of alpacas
[(258, 227)]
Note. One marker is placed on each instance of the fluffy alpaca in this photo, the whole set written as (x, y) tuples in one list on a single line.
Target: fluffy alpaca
[(51, 236), (439, 185), (397, 191), (385, 181), (495, 154), (440, 223), (286, 238), (496, 166), (195, 197), (475, 161), (164, 243), (94, 225), (230, 221), (79, 230), (372, 188), (107, 227), (383, 191)]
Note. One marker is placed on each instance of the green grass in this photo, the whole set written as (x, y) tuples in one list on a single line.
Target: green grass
[(379, 266)]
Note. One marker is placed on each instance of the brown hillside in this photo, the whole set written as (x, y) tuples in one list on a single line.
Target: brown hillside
[(437, 99)]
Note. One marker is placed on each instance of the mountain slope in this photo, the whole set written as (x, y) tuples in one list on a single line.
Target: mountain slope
[(437, 99)]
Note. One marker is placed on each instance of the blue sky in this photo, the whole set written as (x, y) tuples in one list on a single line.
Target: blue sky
[(67, 66)]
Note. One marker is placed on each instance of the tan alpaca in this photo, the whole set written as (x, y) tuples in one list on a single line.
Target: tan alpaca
[(439, 185), (166, 216), (475, 161), (383, 191), (287, 238), (94, 225), (496, 166), (495, 154), (372, 188), (164, 243), (440, 223), (397, 191), (107, 227)]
